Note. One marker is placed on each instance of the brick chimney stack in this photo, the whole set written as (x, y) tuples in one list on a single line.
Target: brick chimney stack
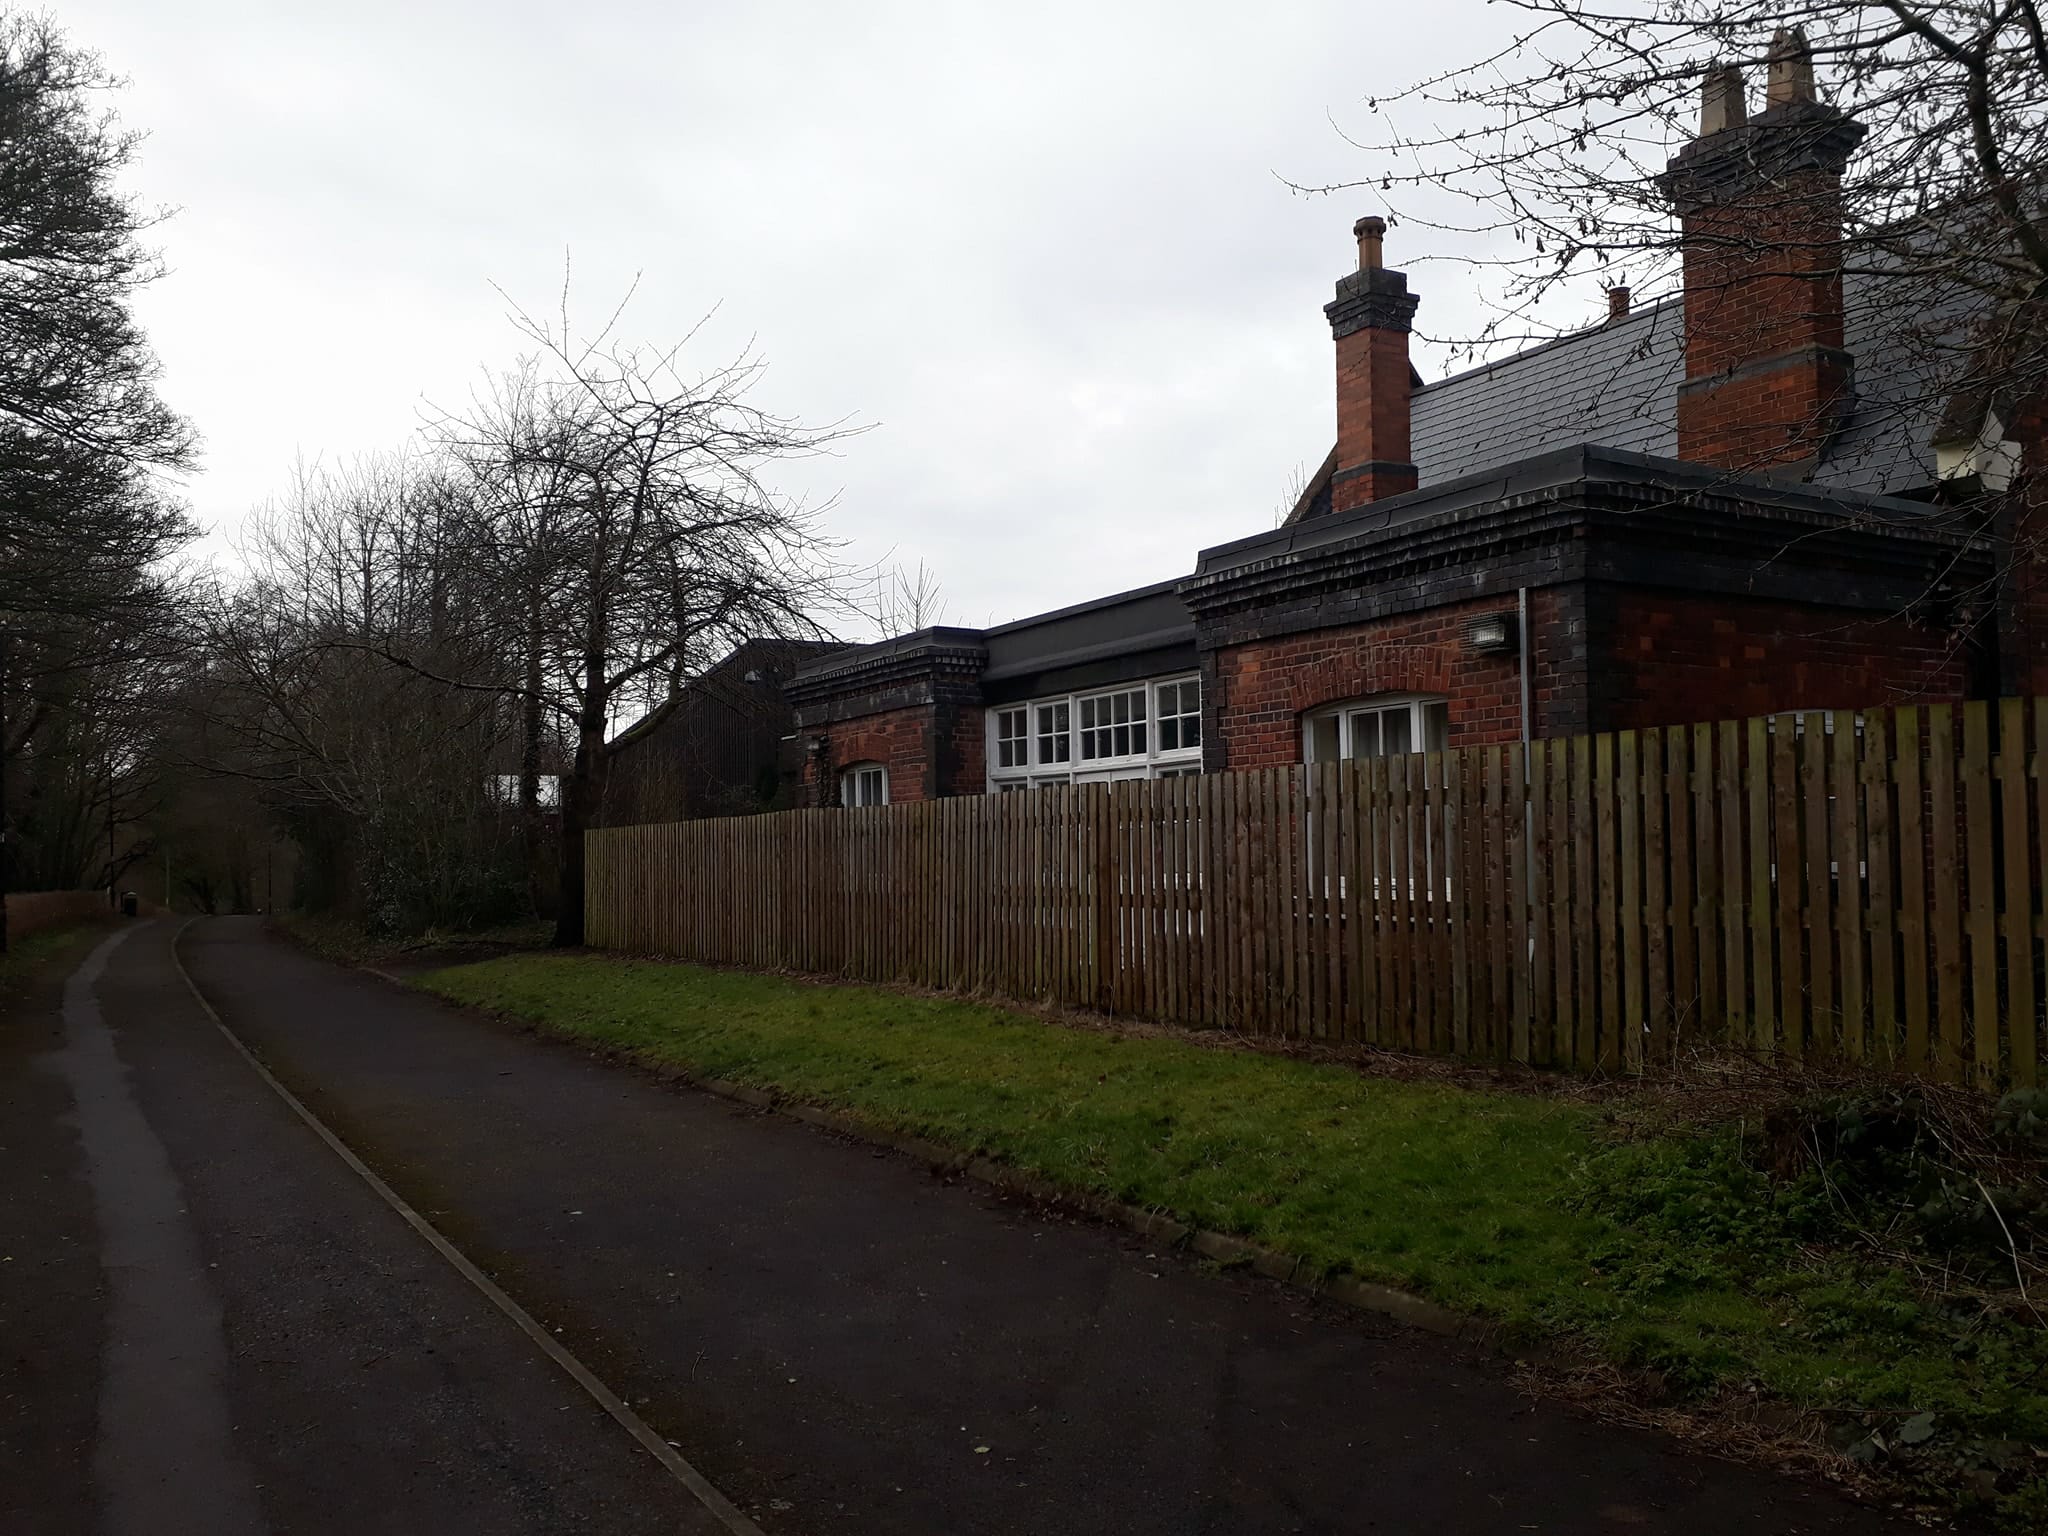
[(1767, 379), (1370, 319), (1618, 302)]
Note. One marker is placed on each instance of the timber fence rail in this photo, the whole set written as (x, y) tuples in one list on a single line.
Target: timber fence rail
[(1860, 886)]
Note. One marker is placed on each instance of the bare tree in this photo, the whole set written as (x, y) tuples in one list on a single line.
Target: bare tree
[(73, 363), (382, 774), (625, 502), (1543, 164), (84, 528), (901, 601)]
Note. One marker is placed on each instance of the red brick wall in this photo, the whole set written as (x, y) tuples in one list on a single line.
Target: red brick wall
[(904, 741), (1263, 687), (1665, 658), (899, 739), (1761, 283), (967, 738), (1372, 416), (1655, 658)]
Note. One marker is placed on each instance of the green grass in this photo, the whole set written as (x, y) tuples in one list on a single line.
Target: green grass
[(1670, 1253)]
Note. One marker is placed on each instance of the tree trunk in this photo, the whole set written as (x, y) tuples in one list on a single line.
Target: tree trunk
[(580, 798), (6, 842), (530, 718)]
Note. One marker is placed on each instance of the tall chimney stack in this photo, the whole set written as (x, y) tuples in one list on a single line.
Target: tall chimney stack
[(1370, 319), (1767, 378)]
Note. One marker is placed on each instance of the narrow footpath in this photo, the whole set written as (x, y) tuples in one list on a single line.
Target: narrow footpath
[(840, 1341)]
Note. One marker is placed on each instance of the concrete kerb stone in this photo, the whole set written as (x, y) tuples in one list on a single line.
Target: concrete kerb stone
[(1286, 1269)]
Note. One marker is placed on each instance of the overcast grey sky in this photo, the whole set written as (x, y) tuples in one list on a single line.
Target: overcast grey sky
[(1045, 249)]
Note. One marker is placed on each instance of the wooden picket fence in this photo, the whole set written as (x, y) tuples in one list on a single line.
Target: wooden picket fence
[(1829, 885)]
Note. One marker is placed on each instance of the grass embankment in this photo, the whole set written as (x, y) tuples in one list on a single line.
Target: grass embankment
[(1672, 1252)]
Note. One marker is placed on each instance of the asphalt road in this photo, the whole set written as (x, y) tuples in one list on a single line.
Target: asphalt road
[(209, 1324)]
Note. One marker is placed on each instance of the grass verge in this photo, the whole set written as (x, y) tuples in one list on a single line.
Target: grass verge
[(1675, 1254), (31, 963)]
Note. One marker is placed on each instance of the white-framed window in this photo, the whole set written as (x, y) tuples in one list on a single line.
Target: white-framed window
[(1013, 738), (1135, 730), (1055, 742), (864, 784), (1180, 715), (1386, 725), (1113, 724)]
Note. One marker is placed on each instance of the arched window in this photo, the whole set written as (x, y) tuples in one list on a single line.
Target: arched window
[(1385, 725), (864, 784)]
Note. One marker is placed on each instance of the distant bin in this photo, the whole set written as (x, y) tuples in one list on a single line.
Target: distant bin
[(130, 903)]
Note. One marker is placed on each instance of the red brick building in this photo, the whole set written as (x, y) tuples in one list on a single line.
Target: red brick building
[(1728, 504)]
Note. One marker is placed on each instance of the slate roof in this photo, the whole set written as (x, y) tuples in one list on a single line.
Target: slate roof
[(1616, 386)]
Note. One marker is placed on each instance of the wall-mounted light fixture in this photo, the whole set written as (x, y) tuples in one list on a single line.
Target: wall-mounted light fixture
[(1491, 634)]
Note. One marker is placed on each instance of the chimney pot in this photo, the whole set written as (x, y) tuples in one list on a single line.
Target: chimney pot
[(1789, 67), (1722, 104), (1617, 302), (1370, 232)]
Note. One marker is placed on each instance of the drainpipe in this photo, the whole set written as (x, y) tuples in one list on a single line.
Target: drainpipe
[(1522, 634), (1528, 805)]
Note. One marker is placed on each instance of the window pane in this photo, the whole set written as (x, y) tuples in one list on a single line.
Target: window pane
[(1191, 732), (1365, 733), (1169, 733), (1138, 730), (1397, 731), (1436, 727), (1322, 739)]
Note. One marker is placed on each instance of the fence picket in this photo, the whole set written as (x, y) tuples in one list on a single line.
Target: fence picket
[(2019, 893), (1983, 911)]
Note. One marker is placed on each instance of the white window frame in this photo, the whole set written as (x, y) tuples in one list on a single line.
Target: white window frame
[(1100, 717), (1019, 742), (854, 775), (1047, 765), (1418, 706)]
